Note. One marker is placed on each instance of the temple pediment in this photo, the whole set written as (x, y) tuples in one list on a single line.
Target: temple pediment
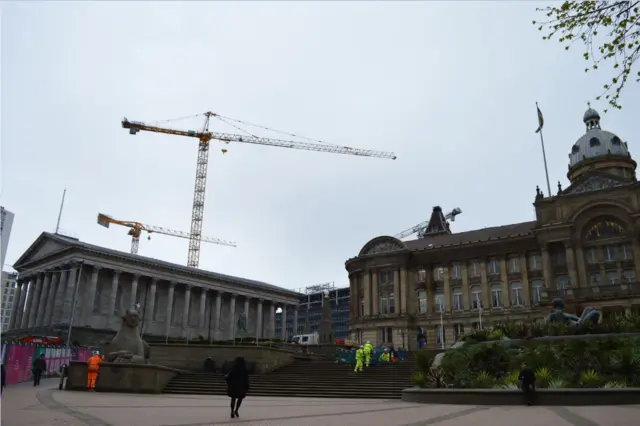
[(42, 247)]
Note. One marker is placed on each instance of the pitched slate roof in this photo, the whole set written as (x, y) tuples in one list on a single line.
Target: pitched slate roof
[(215, 275), (469, 237)]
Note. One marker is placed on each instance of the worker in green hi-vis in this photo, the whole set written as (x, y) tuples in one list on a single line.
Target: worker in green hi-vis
[(368, 350), (359, 359)]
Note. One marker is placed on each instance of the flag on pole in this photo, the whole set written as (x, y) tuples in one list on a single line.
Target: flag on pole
[(540, 119)]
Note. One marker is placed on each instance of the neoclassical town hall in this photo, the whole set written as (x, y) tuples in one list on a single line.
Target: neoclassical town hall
[(65, 281), (584, 246)]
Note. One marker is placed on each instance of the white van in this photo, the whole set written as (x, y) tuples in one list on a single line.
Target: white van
[(306, 339)]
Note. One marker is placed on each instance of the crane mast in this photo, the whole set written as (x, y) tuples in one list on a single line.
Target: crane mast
[(136, 229), (205, 136)]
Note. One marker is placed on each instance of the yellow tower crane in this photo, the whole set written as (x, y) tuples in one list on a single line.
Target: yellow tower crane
[(205, 136), (136, 229)]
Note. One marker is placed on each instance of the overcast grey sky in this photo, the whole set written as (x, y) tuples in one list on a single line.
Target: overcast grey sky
[(449, 87)]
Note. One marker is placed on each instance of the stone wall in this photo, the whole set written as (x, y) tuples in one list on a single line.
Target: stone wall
[(192, 357), (131, 378)]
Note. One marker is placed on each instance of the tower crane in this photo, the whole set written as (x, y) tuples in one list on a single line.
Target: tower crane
[(136, 229), (205, 136), (421, 227)]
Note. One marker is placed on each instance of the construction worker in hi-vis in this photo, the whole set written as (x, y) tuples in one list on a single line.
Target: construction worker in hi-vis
[(359, 359), (368, 350)]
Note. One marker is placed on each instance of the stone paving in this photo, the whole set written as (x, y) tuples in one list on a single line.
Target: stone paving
[(24, 405)]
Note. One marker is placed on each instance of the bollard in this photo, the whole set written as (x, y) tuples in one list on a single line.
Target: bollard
[(63, 373)]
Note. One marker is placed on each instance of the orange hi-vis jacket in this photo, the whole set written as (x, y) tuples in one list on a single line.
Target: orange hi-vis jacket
[(94, 363)]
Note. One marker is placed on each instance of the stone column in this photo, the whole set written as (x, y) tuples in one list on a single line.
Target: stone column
[(216, 315), (259, 319), (295, 320), (484, 285), (404, 290), (26, 315), (375, 293), (185, 311), (151, 301), (247, 304), (272, 320), (366, 281), (546, 269), (23, 300), (167, 322), (16, 305), (504, 279), (33, 312), (203, 306), (51, 298), (283, 322), (232, 317), (115, 280), (466, 303), (571, 266), (526, 287), (134, 291), (636, 258), (42, 303), (397, 296), (69, 292), (353, 292), (59, 296), (447, 289), (91, 295)]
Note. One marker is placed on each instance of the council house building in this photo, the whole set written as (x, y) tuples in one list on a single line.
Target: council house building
[(583, 247)]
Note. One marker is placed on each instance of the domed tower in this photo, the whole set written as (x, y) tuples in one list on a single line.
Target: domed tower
[(600, 150)]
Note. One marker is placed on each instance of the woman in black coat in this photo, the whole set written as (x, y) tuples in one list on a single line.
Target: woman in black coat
[(237, 385)]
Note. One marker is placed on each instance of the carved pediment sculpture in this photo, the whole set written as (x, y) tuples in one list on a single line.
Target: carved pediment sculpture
[(594, 183), (382, 245)]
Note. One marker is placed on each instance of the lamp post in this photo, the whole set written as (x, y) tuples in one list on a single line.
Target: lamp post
[(479, 311), (441, 324)]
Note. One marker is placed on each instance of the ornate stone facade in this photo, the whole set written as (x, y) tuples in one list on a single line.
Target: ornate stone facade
[(63, 280), (584, 246)]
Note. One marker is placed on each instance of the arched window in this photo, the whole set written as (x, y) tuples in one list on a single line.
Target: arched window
[(496, 295), (475, 296), (604, 228), (439, 299), (422, 301), (517, 298), (456, 299), (594, 142), (536, 291)]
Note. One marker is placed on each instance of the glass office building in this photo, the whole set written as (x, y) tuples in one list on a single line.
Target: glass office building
[(310, 309)]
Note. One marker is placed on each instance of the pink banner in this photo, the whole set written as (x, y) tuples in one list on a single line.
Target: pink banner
[(26, 361), (11, 366)]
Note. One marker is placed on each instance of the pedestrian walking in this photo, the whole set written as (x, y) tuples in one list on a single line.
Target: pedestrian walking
[(527, 379), (237, 385), (4, 380), (38, 368)]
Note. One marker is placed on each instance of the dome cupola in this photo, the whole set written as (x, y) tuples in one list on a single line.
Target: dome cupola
[(599, 149)]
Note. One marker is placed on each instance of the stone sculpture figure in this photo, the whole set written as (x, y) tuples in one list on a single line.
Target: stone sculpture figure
[(241, 325), (558, 316), (128, 346)]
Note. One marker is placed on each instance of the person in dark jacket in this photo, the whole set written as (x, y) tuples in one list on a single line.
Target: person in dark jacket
[(527, 379), (4, 380), (39, 367), (237, 385)]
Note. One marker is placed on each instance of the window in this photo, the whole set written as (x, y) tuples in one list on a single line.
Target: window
[(517, 298), (422, 302), (594, 279), (386, 335), (440, 339), (629, 275), (386, 276), (422, 275), (457, 299), (513, 264), (615, 140), (626, 252), (594, 142), (438, 273), (458, 330), (536, 291), (592, 255), (392, 303), (439, 300), (609, 253), (361, 306), (562, 282), (456, 271), (476, 297), (494, 267), (383, 304), (559, 258), (474, 269), (496, 295), (612, 277)]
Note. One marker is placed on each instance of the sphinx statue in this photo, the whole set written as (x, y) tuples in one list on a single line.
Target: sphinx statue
[(558, 316), (128, 346)]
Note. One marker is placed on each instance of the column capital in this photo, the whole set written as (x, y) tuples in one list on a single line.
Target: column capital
[(188, 287), (154, 280), (172, 283), (117, 272), (261, 300), (136, 276), (233, 295)]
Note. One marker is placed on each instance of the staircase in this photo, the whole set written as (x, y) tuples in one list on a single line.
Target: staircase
[(318, 379)]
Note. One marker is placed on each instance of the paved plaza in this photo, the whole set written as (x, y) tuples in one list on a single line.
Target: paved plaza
[(24, 405)]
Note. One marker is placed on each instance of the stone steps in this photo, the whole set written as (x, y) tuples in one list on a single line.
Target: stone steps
[(308, 379)]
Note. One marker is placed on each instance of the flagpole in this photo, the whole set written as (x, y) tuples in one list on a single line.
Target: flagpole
[(544, 157)]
